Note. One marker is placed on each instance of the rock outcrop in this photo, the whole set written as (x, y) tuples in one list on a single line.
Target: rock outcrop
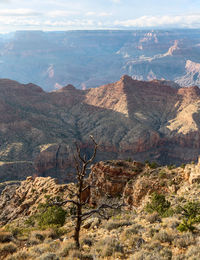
[(129, 181), (192, 172), (110, 178), (17, 201)]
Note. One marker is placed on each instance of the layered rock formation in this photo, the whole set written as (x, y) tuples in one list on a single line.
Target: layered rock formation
[(131, 182), (128, 118)]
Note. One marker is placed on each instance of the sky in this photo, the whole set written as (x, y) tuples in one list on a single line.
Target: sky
[(100, 14)]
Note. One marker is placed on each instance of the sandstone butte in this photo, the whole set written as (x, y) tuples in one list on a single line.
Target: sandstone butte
[(129, 119)]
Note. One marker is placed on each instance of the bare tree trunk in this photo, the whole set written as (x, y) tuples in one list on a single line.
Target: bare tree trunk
[(79, 212), (77, 228)]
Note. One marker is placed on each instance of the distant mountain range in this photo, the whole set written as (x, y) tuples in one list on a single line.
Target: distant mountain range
[(141, 120), (92, 58)]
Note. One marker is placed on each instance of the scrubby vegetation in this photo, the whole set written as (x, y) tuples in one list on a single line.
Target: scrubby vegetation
[(164, 225)]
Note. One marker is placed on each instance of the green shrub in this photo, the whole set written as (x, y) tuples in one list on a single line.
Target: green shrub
[(171, 166), (153, 165), (191, 215), (30, 222), (159, 204), (53, 216), (183, 166), (162, 174)]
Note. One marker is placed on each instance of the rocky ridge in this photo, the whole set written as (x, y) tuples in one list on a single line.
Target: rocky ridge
[(128, 118), (132, 181)]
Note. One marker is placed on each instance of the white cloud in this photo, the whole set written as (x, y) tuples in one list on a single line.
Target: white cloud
[(67, 23), (19, 12), (90, 13), (189, 21), (116, 1), (61, 13), (104, 14)]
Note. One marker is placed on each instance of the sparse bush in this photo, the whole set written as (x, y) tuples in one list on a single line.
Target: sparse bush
[(112, 247), (171, 222), (193, 253), (87, 241), (134, 229), (87, 256), (184, 240), (114, 225), (145, 255), (108, 246), (153, 231), (20, 255), (162, 174), (49, 256), (40, 235), (153, 250), (154, 217), (164, 236), (66, 247), (159, 204), (8, 248), (5, 237), (75, 254), (15, 231)]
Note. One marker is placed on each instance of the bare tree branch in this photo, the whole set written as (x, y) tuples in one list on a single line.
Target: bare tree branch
[(65, 202), (87, 187), (101, 207)]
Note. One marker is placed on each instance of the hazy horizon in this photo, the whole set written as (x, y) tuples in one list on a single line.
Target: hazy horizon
[(62, 15)]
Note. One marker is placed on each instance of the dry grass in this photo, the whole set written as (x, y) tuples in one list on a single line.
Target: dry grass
[(164, 237), (152, 218), (7, 249), (184, 240), (5, 237)]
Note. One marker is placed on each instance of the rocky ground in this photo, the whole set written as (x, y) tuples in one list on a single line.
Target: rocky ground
[(149, 226)]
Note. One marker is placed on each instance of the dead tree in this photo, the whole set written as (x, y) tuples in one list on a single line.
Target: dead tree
[(81, 164)]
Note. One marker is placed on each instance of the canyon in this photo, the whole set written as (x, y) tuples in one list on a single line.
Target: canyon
[(93, 58), (142, 120)]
